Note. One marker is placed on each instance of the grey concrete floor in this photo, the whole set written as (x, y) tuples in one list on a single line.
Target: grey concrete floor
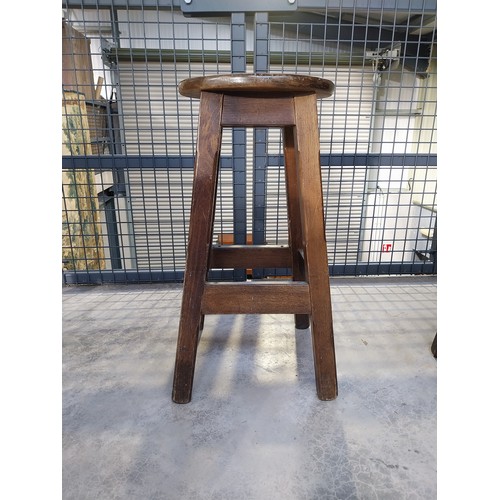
[(255, 428)]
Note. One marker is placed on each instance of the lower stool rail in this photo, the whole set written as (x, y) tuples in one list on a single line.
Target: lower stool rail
[(242, 256), (256, 298)]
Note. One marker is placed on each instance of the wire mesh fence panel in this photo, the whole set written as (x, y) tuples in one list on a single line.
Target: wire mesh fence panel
[(129, 137)]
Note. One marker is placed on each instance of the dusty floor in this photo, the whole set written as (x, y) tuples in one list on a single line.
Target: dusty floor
[(255, 428)]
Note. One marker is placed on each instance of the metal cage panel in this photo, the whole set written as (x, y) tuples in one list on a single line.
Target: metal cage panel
[(129, 137)]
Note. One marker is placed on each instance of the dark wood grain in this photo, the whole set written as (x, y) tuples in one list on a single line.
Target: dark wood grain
[(256, 298), (200, 237), (248, 111), (295, 237), (259, 100), (316, 262), (242, 256), (243, 83)]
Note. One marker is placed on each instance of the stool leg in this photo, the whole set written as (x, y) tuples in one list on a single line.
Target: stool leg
[(294, 223), (316, 260), (199, 243)]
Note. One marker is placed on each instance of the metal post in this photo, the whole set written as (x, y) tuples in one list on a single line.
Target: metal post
[(261, 65), (238, 65)]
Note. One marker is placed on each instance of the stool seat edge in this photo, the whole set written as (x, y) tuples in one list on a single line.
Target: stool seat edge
[(256, 83)]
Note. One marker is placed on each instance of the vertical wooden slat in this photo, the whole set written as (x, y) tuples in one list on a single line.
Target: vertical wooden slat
[(311, 204), (200, 237), (295, 237)]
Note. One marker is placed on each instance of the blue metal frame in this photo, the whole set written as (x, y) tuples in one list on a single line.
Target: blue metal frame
[(120, 162), (238, 10)]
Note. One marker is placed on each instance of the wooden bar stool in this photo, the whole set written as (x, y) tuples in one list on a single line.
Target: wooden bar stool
[(263, 100)]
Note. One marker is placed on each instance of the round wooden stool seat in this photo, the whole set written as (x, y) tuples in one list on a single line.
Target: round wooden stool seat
[(256, 83)]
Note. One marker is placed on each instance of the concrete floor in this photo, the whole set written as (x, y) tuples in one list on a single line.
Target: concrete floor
[(254, 429)]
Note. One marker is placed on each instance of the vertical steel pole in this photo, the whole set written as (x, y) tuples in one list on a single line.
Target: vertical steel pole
[(261, 65), (238, 65)]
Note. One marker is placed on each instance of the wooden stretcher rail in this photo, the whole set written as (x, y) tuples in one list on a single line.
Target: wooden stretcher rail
[(256, 298), (242, 256)]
